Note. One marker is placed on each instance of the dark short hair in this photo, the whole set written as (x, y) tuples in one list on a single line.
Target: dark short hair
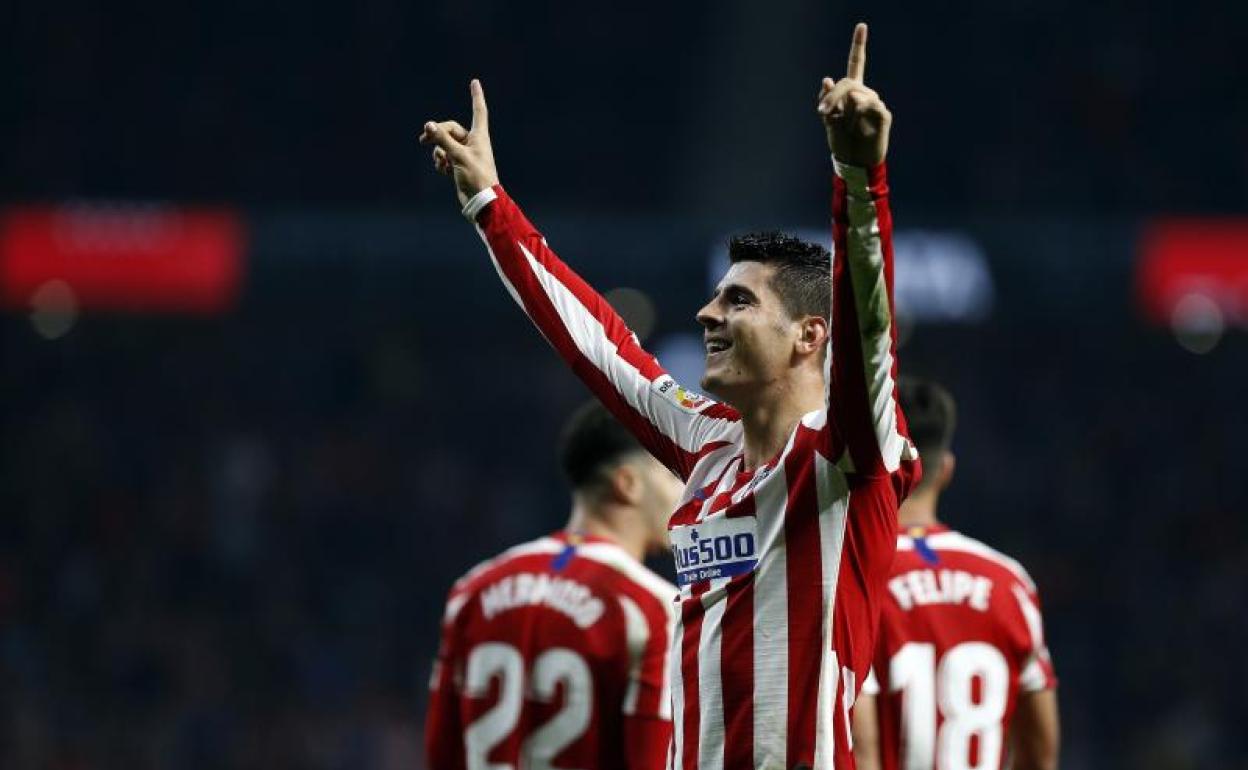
[(931, 416), (803, 277), (591, 442)]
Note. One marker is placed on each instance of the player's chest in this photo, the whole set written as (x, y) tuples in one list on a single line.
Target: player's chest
[(716, 533)]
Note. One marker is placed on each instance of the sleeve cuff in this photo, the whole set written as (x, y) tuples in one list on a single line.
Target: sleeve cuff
[(478, 202)]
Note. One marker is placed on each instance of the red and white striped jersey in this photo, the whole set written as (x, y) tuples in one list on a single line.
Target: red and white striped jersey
[(554, 654), (960, 638), (781, 566)]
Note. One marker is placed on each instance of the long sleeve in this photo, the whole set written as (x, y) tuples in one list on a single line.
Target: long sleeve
[(677, 426), (444, 741), (862, 386)]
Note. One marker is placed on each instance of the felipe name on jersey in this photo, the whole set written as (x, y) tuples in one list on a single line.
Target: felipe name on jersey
[(715, 548), (921, 587)]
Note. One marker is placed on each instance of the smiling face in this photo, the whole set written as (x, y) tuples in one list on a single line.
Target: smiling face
[(750, 337)]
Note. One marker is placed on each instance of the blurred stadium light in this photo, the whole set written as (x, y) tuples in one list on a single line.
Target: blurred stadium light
[(1192, 276)]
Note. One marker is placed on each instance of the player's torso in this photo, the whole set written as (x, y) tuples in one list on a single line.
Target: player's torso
[(765, 575), (951, 642), (543, 652)]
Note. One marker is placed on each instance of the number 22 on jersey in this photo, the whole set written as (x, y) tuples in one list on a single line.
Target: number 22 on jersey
[(554, 667)]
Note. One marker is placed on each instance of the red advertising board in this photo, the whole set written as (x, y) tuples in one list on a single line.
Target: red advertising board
[(123, 258), (1180, 259)]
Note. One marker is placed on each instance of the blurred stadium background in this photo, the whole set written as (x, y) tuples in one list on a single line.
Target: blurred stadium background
[(263, 397)]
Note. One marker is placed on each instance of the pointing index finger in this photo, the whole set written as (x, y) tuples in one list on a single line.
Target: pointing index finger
[(480, 114), (858, 54)]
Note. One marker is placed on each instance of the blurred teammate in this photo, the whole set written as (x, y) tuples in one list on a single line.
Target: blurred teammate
[(962, 676), (785, 532), (554, 653)]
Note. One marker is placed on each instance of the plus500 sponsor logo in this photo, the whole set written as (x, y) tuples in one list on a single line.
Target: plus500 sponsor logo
[(721, 548)]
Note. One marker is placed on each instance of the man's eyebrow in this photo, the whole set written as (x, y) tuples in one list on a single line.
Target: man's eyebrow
[(725, 288)]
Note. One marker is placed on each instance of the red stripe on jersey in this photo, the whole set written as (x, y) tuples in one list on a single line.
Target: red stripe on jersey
[(654, 661), (710, 446), (690, 512), (743, 508), (843, 750), (738, 645), (804, 570), (691, 638), (721, 501)]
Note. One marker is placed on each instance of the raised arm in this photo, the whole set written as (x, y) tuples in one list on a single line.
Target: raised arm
[(675, 425), (862, 385)]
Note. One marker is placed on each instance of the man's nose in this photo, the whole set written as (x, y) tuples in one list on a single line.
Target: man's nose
[(709, 317)]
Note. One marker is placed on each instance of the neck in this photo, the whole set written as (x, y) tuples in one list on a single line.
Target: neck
[(613, 522), (770, 421), (919, 509)]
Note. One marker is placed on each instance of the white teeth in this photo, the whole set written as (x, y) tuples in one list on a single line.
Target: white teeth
[(716, 346)]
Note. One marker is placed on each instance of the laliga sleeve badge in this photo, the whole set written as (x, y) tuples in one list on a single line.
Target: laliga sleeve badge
[(687, 400)]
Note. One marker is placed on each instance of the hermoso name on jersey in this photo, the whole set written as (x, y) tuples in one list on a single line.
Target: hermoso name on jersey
[(526, 590)]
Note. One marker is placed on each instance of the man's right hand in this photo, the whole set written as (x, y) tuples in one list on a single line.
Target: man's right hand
[(465, 155), (856, 120)]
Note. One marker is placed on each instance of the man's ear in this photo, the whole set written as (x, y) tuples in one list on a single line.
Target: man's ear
[(626, 484), (948, 463), (813, 336)]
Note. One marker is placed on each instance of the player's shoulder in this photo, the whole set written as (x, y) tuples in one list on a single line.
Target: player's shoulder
[(621, 570), (954, 542), (486, 571)]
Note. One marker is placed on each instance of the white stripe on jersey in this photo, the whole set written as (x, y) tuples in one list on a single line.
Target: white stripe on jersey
[(956, 541), (771, 626), (849, 694), (871, 685), (833, 495), (678, 698), (1032, 677), (638, 632), (594, 344), (478, 202), (453, 606), (710, 684), (874, 314)]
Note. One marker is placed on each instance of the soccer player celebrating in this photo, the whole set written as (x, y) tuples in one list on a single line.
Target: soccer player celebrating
[(555, 653), (961, 664), (786, 529)]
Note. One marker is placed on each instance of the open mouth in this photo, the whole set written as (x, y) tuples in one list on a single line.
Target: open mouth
[(716, 346)]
